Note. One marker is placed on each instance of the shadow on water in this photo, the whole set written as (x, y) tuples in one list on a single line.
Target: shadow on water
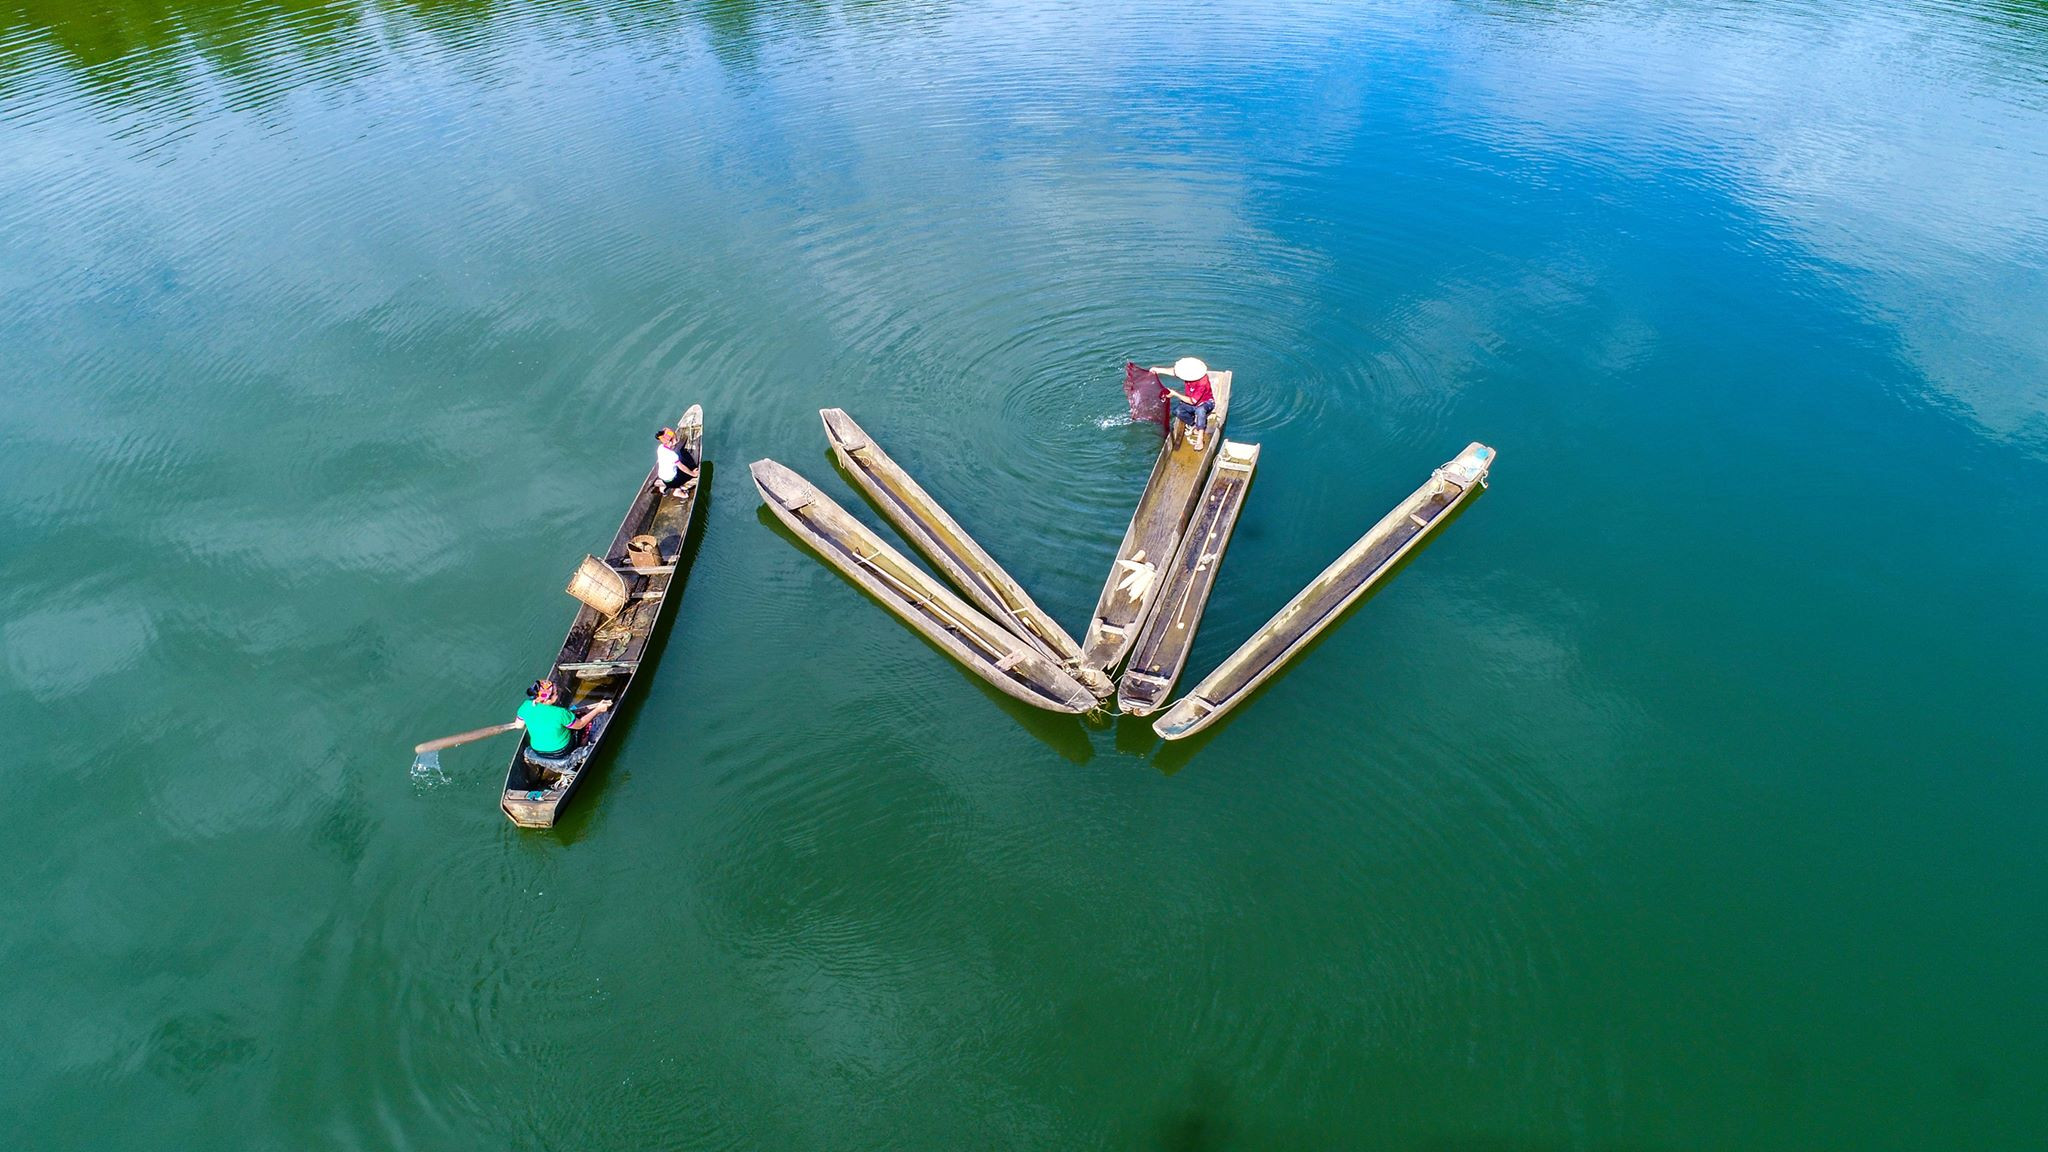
[(1063, 733), (1177, 753), (579, 820), (1134, 735), (1201, 1122)]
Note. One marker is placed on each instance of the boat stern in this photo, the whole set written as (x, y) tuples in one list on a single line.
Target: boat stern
[(1093, 680), (780, 486), (1470, 466), (532, 809), (1141, 694), (1055, 688), (840, 429), (1189, 715)]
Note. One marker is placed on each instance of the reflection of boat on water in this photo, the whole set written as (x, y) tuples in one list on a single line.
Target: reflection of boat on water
[(598, 660), (1150, 542), (935, 533), (1161, 650), (1317, 606), (986, 648)]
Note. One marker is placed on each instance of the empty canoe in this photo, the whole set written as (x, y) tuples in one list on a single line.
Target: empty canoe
[(1134, 585), (1318, 605), (1162, 647), (599, 658), (986, 648), (932, 531)]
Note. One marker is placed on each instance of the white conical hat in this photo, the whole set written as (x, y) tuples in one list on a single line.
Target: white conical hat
[(1190, 369)]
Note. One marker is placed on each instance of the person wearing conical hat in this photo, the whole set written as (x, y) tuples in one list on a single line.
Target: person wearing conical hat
[(1190, 408)]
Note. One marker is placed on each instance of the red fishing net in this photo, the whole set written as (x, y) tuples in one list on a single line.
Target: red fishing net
[(1147, 398)]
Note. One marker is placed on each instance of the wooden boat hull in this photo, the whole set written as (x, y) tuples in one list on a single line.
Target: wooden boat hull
[(1134, 587), (1161, 650), (1319, 605), (933, 532), (981, 645), (600, 657)]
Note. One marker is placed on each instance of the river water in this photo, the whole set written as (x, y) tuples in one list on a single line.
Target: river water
[(1685, 793)]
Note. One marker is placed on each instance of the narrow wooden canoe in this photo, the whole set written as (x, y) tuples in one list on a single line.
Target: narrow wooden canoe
[(1134, 585), (1319, 605), (935, 533), (599, 658), (1162, 647), (985, 647)]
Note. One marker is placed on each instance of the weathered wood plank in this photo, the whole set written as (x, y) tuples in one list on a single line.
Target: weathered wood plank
[(1134, 586), (933, 532), (1161, 649), (1319, 605), (958, 628)]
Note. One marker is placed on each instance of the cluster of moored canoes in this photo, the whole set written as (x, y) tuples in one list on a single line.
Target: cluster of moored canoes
[(1134, 649), (1138, 640)]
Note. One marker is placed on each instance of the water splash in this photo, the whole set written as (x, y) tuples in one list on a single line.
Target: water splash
[(426, 770)]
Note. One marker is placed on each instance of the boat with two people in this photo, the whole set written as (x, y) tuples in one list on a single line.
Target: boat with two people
[(624, 598)]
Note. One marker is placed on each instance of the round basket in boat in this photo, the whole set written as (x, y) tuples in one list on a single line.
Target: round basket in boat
[(598, 586)]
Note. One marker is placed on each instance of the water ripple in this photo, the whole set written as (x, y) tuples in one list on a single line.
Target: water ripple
[(335, 334)]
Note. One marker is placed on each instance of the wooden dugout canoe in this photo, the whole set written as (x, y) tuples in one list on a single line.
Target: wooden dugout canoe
[(961, 630), (1161, 650), (1149, 543), (935, 533), (1317, 606), (600, 657)]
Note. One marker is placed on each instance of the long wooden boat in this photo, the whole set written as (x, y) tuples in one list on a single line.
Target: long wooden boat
[(1162, 647), (1319, 605), (599, 658), (932, 531), (1134, 585), (983, 646)]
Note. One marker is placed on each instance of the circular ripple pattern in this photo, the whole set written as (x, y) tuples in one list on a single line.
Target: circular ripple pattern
[(335, 333)]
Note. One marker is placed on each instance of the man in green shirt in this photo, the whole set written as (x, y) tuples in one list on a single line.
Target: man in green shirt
[(550, 728)]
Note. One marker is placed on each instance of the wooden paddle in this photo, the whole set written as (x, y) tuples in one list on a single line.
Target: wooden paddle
[(463, 737)]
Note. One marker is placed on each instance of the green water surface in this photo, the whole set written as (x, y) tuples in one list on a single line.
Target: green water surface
[(1686, 793)]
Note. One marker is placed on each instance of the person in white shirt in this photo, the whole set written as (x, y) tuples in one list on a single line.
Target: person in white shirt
[(671, 471)]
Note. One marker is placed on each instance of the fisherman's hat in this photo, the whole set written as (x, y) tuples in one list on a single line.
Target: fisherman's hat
[(1189, 369)]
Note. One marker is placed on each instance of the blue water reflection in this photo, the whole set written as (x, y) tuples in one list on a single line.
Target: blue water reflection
[(1679, 796)]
